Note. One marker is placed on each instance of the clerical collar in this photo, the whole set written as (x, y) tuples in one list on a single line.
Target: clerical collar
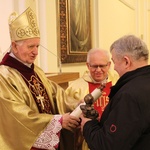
[(12, 55)]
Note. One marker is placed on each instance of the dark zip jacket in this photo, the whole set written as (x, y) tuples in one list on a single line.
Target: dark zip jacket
[(125, 123)]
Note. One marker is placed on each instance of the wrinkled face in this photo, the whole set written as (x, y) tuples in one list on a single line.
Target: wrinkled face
[(26, 50), (98, 66), (119, 63)]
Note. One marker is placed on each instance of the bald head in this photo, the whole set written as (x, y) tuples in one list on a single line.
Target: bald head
[(99, 53)]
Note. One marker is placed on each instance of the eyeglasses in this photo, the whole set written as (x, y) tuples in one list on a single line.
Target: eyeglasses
[(94, 67)]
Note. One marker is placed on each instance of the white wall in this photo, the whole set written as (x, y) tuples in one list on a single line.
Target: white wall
[(6, 7)]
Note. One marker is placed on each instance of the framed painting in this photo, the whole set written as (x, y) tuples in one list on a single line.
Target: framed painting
[(74, 30)]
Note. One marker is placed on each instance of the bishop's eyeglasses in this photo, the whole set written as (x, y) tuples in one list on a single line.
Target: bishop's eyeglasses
[(94, 67)]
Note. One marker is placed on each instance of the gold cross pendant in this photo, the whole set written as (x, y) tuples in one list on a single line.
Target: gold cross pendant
[(41, 98)]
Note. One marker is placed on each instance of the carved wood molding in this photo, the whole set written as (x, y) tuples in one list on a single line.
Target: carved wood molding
[(64, 39), (63, 29)]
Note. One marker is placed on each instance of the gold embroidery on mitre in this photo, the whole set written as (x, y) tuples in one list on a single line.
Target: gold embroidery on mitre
[(23, 26)]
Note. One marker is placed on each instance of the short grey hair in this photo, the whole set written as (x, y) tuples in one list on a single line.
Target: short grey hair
[(132, 46), (94, 50), (20, 42)]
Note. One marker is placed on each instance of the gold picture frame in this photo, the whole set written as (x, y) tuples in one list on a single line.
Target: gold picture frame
[(74, 30)]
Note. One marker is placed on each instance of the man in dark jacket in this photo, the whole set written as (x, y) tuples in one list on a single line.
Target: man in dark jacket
[(125, 123)]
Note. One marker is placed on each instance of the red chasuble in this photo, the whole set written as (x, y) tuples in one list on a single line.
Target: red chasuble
[(101, 103)]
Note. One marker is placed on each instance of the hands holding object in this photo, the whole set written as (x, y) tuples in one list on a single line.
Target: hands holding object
[(87, 106)]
